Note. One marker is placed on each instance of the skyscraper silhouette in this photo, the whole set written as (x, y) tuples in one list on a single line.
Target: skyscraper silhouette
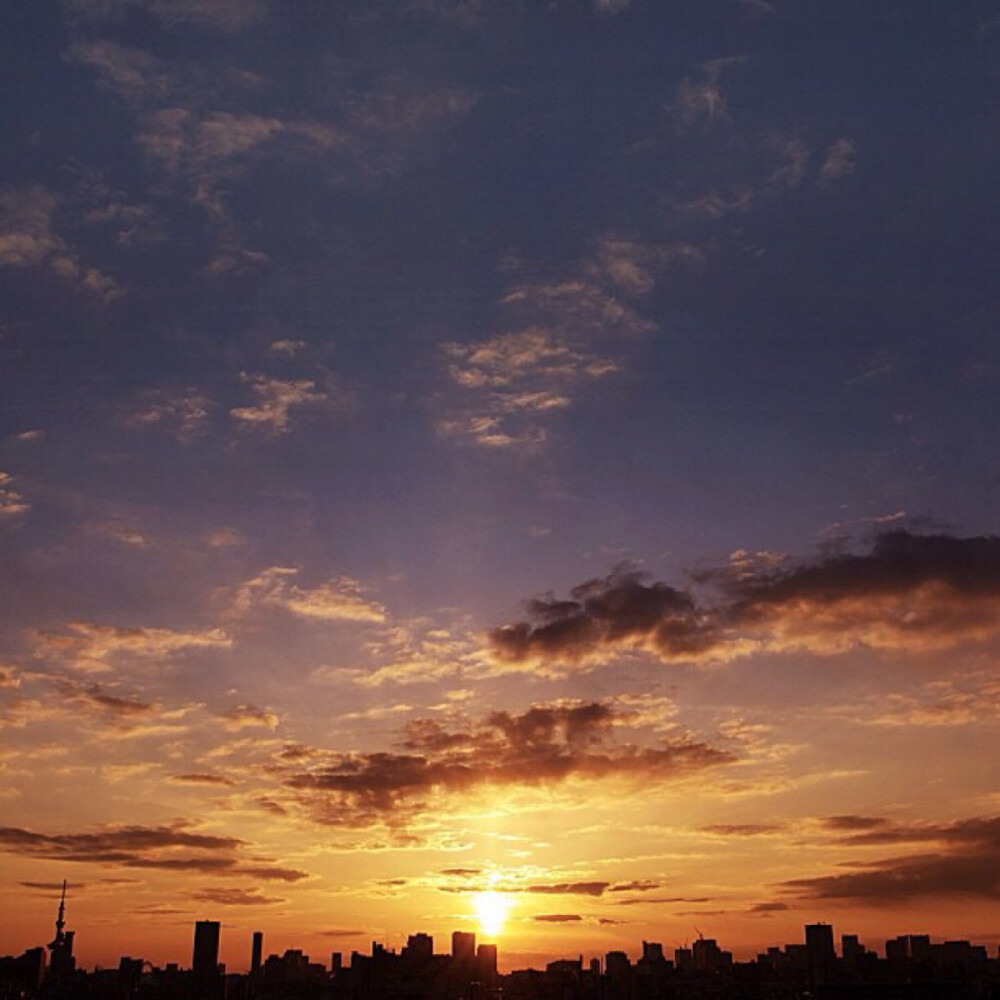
[(257, 952), (205, 960)]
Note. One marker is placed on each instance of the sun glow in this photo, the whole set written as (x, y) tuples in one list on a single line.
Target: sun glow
[(491, 910)]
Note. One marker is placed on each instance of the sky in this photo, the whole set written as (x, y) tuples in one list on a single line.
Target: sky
[(521, 466)]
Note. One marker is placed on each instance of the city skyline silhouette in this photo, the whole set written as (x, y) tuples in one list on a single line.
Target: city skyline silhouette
[(913, 967)]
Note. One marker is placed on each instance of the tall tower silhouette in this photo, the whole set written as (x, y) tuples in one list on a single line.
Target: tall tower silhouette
[(62, 965)]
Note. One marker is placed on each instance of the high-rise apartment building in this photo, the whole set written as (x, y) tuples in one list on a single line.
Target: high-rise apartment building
[(205, 960)]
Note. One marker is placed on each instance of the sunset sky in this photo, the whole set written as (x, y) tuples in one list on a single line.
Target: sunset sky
[(544, 448)]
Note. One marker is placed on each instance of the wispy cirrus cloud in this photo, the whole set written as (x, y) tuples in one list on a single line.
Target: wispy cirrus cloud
[(28, 238), (209, 778), (228, 15), (840, 160), (206, 128), (568, 889), (12, 501), (248, 717), (276, 399), (235, 897), (563, 336), (700, 96), (339, 599), (184, 414), (96, 696), (93, 647), (173, 847)]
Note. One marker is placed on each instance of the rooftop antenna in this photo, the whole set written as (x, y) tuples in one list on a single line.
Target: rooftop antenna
[(60, 920)]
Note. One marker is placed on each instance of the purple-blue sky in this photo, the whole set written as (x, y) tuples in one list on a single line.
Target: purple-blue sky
[(534, 448)]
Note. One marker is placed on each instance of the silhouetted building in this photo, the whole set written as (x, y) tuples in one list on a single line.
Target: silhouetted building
[(256, 952), (419, 947), (205, 958), (820, 954), (129, 975), (709, 957), (463, 945), (652, 952), (851, 949), (684, 959), (486, 964)]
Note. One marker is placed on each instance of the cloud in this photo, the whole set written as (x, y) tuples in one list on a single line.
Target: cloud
[(864, 831), (794, 156), (92, 647), (26, 236), (171, 848), (569, 889), (908, 593), (611, 6), (840, 160), (414, 653), (134, 75), (741, 829), (248, 716), (514, 379), (965, 864), (506, 387), (202, 151), (184, 414), (700, 96), (96, 696), (934, 706), (235, 897), (225, 538), (546, 745), (276, 399), (287, 347), (852, 822), (642, 901), (640, 886), (228, 15), (28, 239), (558, 918), (119, 529), (202, 778), (601, 615), (12, 502), (186, 126), (339, 599)]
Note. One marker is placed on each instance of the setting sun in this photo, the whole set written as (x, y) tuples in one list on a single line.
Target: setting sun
[(491, 910)]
